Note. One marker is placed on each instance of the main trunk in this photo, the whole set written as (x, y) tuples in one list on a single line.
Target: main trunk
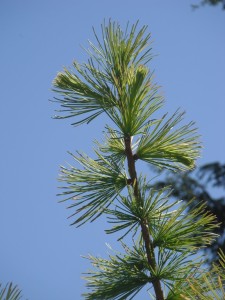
[(144, 225)]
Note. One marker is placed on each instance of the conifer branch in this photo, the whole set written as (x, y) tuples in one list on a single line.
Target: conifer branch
[(117, 82)]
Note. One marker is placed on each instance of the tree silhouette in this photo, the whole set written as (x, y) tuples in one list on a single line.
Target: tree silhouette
[(209, 2)]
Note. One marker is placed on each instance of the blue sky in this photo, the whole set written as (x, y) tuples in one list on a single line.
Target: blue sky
[(39, 250)]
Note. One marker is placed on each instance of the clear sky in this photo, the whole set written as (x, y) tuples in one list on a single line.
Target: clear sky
[(39, 250)]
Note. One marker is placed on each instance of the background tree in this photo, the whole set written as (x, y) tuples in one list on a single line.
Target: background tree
[(163, 239), (209, 2), (202, 184)]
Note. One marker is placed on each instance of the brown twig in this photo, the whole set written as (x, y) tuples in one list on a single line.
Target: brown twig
[(144, 224)]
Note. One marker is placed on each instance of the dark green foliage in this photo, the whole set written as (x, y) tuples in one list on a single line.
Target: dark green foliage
[(209, 2), (213, 174)]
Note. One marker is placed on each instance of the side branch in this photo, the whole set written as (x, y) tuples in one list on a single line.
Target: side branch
[(144, 225)]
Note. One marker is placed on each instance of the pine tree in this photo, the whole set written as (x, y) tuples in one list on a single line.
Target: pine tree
[(116, 81)]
